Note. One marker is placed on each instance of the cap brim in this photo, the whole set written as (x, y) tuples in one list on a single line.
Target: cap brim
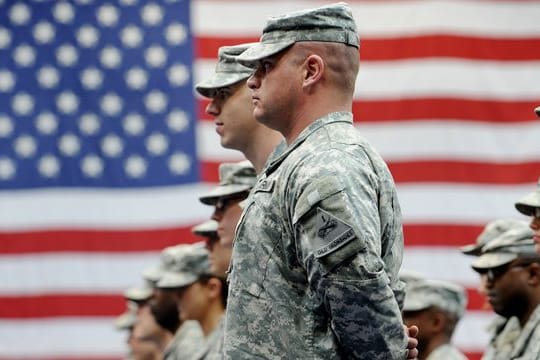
[(152, 274), (529, 203), (173, 280), (222, 191), (471, 249), (125, 321), (138, 293), (207, 88), (412, 304), (259, 51), (493, 260)]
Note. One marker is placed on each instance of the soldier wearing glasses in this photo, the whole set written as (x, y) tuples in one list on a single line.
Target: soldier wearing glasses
[(530, 205), (512, 270)]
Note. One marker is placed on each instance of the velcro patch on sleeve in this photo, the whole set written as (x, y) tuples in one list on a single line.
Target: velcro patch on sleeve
[(334, 233)]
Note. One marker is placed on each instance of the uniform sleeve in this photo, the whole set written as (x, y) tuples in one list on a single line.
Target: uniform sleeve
[(337, 234)]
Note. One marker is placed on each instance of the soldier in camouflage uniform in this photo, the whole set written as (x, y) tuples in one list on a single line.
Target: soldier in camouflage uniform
[(530, 205), (319, 245), (200, 296), (231, 106), (435, 307), (512, 268), (187, 338)]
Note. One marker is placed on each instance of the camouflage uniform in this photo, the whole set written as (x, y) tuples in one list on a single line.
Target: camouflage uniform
[(509, 341), (317, 253), (213, 348), (423, 294), (187, 342)]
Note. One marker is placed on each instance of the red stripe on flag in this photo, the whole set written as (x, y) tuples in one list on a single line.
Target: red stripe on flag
[(93, 240), (426, 46), (489, 111), (465, 172), (106, 305), (440, 234), (61, 305)]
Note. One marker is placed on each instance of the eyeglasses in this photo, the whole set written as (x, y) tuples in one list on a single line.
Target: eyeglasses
[(224, 203), (497, 272)]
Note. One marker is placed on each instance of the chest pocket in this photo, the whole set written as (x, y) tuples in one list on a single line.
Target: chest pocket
[(258, 233)]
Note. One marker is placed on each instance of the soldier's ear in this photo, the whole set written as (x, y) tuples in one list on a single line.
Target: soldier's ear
[(534, 274), (313, 70)]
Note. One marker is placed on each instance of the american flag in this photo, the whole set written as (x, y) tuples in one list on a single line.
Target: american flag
[(104, 147)]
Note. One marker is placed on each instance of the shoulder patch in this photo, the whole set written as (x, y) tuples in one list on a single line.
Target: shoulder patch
[(333, 231)]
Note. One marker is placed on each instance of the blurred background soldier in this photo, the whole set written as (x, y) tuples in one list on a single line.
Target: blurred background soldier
[(530, 205), (199, 296), (220, 255), (512, 270), (435, 307), (184, 339)]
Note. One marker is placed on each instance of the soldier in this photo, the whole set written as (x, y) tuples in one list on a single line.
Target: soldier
[(231, 106), (530, 205), (199, 295), (235, 182), (220, 254), (512, 268), (319, 245), (185, 337), (435, 307)]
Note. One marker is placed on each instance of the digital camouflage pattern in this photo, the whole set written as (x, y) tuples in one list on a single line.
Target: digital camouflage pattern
[(187, 342), (213, 347), (190, 264), (331, 23), (504, 333), (514, 343), (317, 253), (491, 231), (234, 178), (528, 204), (228, 71), (421, 294)]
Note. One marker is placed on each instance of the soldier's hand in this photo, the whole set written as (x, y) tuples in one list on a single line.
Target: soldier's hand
[(412, 333)]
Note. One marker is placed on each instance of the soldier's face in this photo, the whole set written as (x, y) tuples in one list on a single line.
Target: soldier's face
[(232, 110), (535, 226)]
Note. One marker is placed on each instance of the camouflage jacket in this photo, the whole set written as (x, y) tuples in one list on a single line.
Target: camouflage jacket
[(213, 347), (187, 342), (316, 255)]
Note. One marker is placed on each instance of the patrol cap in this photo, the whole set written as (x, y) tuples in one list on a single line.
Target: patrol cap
[(528, 204), (206, 229), (513, 244), (234, 178), (189, 266), (139, 293), (408, 276), (421, 294), (330, 23), (228, 71), (127, 319), (168, 257), (491, 231)]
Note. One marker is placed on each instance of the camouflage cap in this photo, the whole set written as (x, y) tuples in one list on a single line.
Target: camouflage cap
[(513, 244), (529, 204), (331, 23), (491, 231), (206, 229), (228, 71), (168, 257), (126, 320), (234, 178), (139, 293), (421, 294), (189, 266)]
